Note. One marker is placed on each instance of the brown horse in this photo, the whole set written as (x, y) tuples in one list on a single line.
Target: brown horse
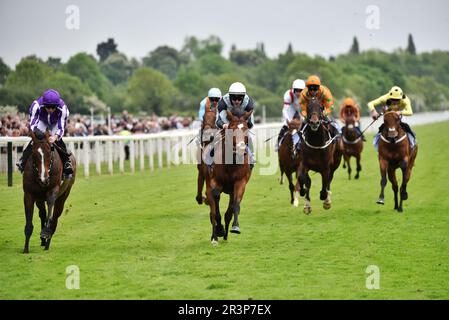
[(351, 143), (42, 183), (319, 153), (230, 174), (289, 159), (207, 136), (395, 152)]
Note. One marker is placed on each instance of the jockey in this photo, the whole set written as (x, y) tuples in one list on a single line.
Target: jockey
[(49, 112), (238, 102), (394, 100), (291, 108), (315, 90), (211, 101), (351, 104)]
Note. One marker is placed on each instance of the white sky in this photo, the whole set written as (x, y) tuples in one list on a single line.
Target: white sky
[(139, 26)]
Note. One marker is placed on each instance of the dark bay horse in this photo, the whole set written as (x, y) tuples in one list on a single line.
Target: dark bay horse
[(395, 152), (231, 172), (207, 136), (42, 184), (319, 153), (351, 143), (289, 159)]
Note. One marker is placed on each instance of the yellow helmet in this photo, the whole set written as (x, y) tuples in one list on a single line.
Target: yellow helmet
[(396, 93)]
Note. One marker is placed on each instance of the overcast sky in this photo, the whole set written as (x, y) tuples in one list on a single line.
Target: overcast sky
[(138, 26)]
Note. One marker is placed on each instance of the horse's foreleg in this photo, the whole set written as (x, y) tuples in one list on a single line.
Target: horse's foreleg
[(200, 184), (213, 221), (404, 195), (228, 215), (346, 159), (293, 194), (219, 230), (308, 185), (28, 201), (43, 217), (46, 231), (57, 211), (239, 190), (325, 192), (359, 167), (383, 181), (394, 185)]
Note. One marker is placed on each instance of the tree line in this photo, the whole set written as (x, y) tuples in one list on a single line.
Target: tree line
[(168, 80)]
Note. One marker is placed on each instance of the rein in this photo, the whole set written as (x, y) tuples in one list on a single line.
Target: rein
[(326, 144)]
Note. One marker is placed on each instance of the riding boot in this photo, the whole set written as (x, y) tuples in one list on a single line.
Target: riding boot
[(407, 129), (284, 129), (25, 155), (65, 157)]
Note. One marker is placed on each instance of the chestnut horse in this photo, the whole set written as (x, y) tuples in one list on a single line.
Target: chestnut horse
[(351, 143), (230, 174), (42, 184), (289, 159), (206, 136), (319, 153), (395, 152)]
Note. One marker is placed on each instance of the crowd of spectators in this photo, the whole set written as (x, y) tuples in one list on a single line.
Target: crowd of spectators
[(18, 124)]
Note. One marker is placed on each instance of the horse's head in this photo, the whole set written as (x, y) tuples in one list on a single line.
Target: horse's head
[(314, 114), (392, 124), (41, 156), (294, 125), (238, 123), (208, 126), (349, 118)]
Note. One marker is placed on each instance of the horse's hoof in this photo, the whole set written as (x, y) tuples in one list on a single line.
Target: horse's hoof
[(235, 229), (380, 201), (43, 242), (326, 205), (214, 243), (307, 210), (400, 210), (404, 196), (199, 199), (296, 203), (356, 177), (26, 251), (219, 230)]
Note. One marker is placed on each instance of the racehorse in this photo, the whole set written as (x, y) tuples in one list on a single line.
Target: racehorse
[(289, 159), (351, 143), (42, 184), (206, 136), (318, 153), (395, 152), (230, 174)]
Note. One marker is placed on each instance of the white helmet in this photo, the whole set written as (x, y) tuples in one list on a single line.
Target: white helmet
[(214, 93), (237, 88), (298, 84)]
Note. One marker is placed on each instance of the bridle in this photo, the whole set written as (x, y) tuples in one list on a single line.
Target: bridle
[(320, 123), (396, 139), (36, 169)]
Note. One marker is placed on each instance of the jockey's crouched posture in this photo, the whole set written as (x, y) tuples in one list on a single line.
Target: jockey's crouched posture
[(315, 90), (394, 100), (291, 110), (237, 102), (350, 106), (49, 112)]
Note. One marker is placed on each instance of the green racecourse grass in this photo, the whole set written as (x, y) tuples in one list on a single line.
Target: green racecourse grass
[(142, 236)]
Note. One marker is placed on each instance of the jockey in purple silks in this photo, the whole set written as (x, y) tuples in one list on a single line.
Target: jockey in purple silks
[(49, 112)]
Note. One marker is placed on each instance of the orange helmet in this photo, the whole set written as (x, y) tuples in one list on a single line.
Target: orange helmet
[(313, 80), (349, 102)]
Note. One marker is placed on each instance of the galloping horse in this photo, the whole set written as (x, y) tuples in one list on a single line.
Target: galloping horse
[(229, 176), (289, 159), (206, 136), (351, 143), (395, 152), (318, 153), (42, 183)]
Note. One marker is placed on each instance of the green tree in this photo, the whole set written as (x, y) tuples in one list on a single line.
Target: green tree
[(150, 91), (85, 67), (105, 49), (4, 71), (165, 59), (190, 82), (411, 45), (355, 46), (117, 68)]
